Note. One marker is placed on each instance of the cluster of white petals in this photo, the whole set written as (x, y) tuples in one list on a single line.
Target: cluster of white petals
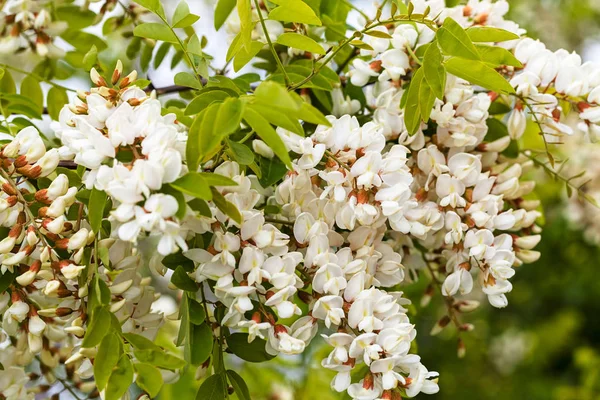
[(28, 25), (130, 152)]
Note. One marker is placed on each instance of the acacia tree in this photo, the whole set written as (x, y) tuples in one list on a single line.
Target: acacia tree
[(302, 197)]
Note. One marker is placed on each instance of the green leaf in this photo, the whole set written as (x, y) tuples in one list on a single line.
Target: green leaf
[(275, 94), (309, 113), (30, 88), (490, 34), (149, 378), (153, 5), (182, 280), (82, 40), (222, 11), (295, 11), (193, 184), (57, 98), (77, 17), (201, 343), (272, 171), (478, 73), (435, 73), (239, 386), (214, 124), (162, 51), (246, 54), (97, 328), (196, 312), (184, 324), (496, 130), (277, 117), (453, 39), (226, 207), (379, 34), (213, 388), (246, 24), (217, 180), (241, 153), (187, 79), (91, 58), (252, 352), (106, 359), (204, 100), (120, 379), (156, 31), (266, 132), (140, 342), (412, 112), (497, 56), (426, 100), (7, 83), (302, 42), (96, 208), (194, 45), (182, 18), (172, 261), (159, 358)]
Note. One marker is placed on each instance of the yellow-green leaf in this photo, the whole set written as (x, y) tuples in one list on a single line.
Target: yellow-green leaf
[(266, 132), (156, 31), (295, 11), (453, 39), (490, 34), (302, 42), (478, 73)]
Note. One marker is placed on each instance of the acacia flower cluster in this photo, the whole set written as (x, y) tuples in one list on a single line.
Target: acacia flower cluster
[(28, 25), (281, 214)]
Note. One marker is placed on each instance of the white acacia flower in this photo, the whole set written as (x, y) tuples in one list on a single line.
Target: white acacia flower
[(329, 309)]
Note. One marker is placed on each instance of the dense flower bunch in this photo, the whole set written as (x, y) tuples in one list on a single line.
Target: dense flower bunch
[(274, 235), (28, 25)]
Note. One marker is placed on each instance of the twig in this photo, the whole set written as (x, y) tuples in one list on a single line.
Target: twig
[(266, 32)]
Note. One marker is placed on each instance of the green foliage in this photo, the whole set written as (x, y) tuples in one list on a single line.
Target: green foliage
[(294, 11), (298, 41), (97, 328), (148, 378), (213, 388), (252, 352), (109, 353), (120, 379), (156, 31)]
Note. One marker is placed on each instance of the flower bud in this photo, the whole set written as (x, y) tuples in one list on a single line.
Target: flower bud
[(47, 312), (498, 145), (97, 78), (427, 296), (461, 349), (465, 306), (51, 289), (528, 242), (128, 79), (528, 256), (117, 72), (262, 149), (440, 325), (27, 278), (517, 123), (119, 288), (78, 240)]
